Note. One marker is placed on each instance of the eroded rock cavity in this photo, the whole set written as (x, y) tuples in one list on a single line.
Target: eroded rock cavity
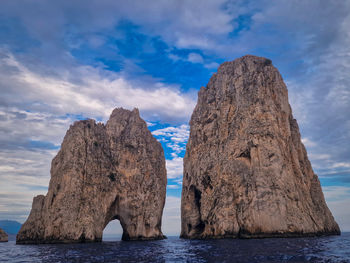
[(101, 173), (246, 171)]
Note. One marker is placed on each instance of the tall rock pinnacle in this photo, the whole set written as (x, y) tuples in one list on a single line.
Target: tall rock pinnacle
[(246, 171), (102, 173)]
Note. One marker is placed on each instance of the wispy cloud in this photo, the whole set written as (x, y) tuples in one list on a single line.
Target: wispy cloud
[(94, 95), (195, 58), (175, 137), (174, 167)]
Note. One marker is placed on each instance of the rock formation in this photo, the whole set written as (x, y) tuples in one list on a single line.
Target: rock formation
[(246, 171), (101, 173), (3, 236)]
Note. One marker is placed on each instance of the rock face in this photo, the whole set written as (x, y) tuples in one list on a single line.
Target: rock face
[(102, 173), (3, 236), (246, 171)]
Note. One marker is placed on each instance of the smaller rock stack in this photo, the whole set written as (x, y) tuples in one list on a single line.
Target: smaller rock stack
[(3, 236), (102, 172)]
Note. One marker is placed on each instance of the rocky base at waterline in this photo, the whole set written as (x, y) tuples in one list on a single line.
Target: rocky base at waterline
[(247, 235), (102, 173), (3, 236), (246, 171)]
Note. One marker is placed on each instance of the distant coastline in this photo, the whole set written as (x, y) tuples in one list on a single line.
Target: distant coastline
[(11, 227)]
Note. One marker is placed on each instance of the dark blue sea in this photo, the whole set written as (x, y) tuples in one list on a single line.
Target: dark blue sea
[(173, 249)]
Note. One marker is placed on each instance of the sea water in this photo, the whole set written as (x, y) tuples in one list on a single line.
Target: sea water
[(174, 249)]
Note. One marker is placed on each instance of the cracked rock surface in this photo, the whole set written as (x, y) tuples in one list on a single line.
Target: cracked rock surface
[(246, 171), (101, 173)]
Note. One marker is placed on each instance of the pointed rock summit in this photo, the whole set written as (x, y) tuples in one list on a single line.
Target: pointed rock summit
[(101, 173), (3, 236), (246, 171)]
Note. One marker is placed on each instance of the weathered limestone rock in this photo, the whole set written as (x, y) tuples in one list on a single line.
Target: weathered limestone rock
[(246, 171), (3, 236), (102, 173)]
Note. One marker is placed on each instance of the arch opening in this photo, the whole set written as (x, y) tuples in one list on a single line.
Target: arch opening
[(113, 231)]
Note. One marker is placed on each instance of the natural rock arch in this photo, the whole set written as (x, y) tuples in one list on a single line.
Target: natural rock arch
[(102, 172), (113, 231)]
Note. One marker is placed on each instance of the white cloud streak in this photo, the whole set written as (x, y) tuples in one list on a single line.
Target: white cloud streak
[(175, 138), (195, 58), (95, 96), (174, 167), (23, 175)]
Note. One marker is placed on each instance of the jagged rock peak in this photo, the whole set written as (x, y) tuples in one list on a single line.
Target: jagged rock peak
[(101, 173), (3, 236), (246, 171), (249, 61)]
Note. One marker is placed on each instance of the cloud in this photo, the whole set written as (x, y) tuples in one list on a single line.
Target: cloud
[(19, 129), (212, 65), (308, 143), (150, 124), (23, 175), (171, 222), (195, 58), (173, 186), (95, 94), (336, 193), (174, 57), (19, 163), (174, 167), (184, 24), (175, 137)]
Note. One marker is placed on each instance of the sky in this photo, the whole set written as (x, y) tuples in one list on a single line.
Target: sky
[(62, 61)]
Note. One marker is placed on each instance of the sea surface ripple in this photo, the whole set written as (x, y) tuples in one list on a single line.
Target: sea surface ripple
[(173, 249)]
